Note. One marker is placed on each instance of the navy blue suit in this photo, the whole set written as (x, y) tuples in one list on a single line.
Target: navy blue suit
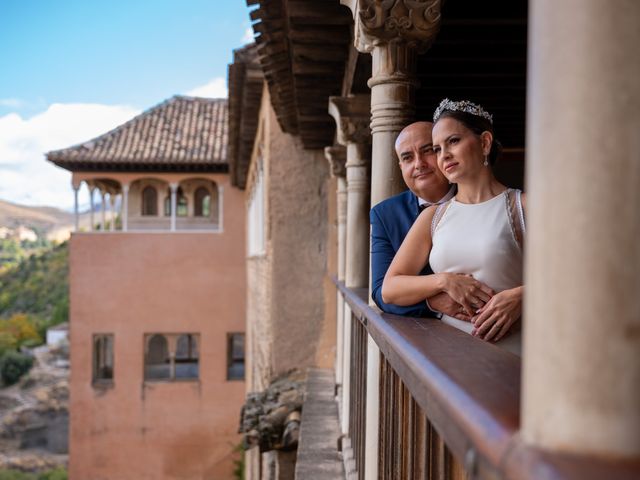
[(391, 220)]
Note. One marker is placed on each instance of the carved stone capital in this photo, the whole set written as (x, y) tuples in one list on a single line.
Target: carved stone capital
[(352, 116), (415, 22), (337, 157)]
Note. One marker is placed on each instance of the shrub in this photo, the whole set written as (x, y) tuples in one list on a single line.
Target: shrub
[(15, 475), (23, 329), (57, 474), (7, 343), (12, 366)]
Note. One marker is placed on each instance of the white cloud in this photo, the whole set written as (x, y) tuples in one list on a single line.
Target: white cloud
[(25, 176), (216, 88), (11, 102), (248, 36)]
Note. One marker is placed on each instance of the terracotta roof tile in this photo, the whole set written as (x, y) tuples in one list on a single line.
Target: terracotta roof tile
[(182, 133)]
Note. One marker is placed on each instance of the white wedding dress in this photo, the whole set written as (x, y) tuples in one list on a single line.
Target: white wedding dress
[(484, 240)]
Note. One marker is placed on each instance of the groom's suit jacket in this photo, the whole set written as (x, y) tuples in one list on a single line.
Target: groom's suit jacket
[(391, 219)]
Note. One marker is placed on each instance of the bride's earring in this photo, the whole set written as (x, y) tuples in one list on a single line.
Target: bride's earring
[(486, 162)]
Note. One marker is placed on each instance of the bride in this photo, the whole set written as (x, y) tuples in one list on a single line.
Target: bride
[(473, 242)]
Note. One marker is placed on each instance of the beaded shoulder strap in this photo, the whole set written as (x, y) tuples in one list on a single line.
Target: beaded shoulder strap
[(516, 216), (440, 211)]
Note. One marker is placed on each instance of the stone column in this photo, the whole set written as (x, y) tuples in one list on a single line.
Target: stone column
[(93, 207), (76, 214), (352, 118), (394, 33), (581, 365), (125, 207), (174, 194), (336, 156), (103, 207)]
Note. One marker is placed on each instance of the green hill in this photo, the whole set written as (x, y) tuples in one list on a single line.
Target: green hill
[(38, 286)]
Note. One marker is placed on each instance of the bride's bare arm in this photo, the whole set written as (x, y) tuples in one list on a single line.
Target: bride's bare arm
[(404, 286)]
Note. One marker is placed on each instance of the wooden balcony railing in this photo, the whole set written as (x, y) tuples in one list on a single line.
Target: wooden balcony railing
[(449, 406)]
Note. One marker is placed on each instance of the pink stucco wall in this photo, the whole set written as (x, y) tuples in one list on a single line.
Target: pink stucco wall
[(130, 284)]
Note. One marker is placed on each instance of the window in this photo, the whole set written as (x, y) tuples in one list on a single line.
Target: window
[(171, 356), (235, 356), (255, 215), (149, 201), (187, 357), (157, 365), (202, 202), (103, 358)]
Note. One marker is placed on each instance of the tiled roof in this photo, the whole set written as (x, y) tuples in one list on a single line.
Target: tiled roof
[(180, 134)]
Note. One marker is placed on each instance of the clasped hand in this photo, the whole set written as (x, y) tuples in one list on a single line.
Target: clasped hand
[(469, 293), (495, 318), (492, 314)]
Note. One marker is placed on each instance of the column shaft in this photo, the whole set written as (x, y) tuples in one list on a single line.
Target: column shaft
[(75, 208), (125, 207), (103, 207), (346, 376), (581, 366), (92, 211), (357, 250), (174, 193), (393, 85), (342, 250)]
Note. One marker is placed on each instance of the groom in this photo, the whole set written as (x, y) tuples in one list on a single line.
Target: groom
[(392, 218)]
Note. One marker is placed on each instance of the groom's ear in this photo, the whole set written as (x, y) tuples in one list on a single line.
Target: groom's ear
[(486, 139)]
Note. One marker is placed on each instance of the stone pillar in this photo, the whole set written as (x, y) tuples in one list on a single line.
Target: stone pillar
[(352, 118), (125, 207), (76, 214), (581, 364), (103, 207), (337, 158), (394, 34), (93, 207), (174, 194)]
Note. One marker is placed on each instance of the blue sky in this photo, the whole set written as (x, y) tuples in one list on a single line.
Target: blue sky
[(72, 69)]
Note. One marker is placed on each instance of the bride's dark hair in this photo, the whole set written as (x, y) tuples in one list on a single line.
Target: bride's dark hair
[(477, 125)]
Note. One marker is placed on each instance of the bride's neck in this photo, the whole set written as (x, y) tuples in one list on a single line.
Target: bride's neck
[(479, 190)]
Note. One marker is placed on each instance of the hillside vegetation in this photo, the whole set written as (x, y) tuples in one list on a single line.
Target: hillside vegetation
[(37, 285), (34, 295)]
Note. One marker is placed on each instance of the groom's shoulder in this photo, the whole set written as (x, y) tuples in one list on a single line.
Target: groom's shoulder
[(402, 200)]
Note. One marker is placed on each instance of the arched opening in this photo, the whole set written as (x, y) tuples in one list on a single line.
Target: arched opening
[(149, 201), (157, 363), (202, 202), (182, 205), (187, 356)]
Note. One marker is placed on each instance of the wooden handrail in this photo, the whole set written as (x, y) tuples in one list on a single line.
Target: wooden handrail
[(470, 391)]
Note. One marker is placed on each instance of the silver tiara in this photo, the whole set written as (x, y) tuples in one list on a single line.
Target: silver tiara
[(461, 106)]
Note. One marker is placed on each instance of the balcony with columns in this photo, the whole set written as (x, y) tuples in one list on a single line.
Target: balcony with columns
[(417, 399), (151, 203)]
